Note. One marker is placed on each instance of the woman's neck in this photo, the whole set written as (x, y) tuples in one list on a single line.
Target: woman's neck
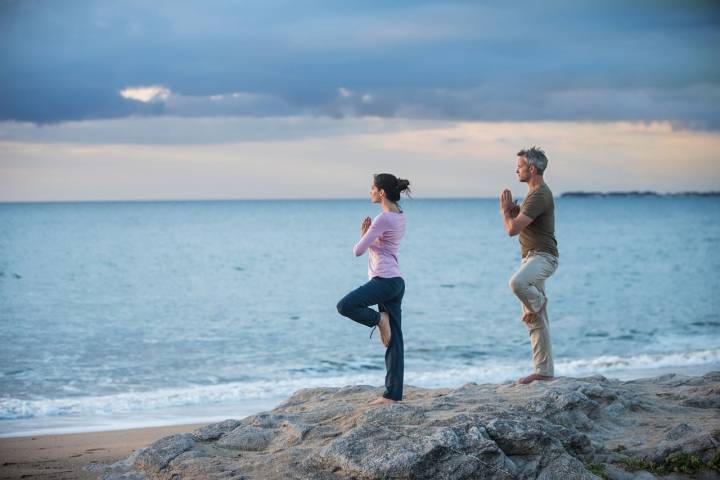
[(389, 206)]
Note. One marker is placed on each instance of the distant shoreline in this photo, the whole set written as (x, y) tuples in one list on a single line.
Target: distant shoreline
[(637, 193)]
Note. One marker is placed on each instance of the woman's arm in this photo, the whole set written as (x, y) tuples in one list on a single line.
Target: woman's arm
[(376, 229), (364, 226)]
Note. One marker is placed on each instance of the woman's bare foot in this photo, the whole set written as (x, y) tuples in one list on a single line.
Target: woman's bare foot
[(384, 327), (533, 377), (383, 401)]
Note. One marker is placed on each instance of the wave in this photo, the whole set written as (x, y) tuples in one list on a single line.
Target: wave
[(138, 401), (276, 390), (615, 363)]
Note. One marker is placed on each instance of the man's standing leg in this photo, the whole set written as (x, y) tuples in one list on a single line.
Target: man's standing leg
[(528, 284), (539, 331)]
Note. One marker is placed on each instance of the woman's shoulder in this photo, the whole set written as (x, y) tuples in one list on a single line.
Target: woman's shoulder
[(390, 218), (391, 215)]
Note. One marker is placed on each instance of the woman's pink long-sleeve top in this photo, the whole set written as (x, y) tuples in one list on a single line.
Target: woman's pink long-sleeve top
[(383, 241)]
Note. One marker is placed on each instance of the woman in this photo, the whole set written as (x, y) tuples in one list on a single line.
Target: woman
[(386, 287)]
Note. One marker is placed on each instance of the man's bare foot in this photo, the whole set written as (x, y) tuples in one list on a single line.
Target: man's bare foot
[(384, 327), (533, 377), (531, 317), (383, 401)]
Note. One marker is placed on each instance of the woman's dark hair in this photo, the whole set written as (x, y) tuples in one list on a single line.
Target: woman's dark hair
[(392, 185)]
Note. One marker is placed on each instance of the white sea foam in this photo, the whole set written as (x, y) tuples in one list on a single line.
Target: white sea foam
[(615, 363), (608, 365), (234, 393)]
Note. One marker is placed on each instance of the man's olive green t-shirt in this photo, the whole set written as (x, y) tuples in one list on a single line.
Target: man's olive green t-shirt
[(540, 234)]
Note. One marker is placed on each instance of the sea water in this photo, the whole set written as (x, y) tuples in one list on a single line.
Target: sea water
[(126, 314)]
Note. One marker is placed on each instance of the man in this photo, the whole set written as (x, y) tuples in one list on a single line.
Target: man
[(534, 221)]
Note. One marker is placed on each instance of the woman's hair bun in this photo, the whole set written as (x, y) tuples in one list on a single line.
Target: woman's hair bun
[(403, 185)]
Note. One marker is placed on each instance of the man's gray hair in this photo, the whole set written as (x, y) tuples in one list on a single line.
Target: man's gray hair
[(535, 156)]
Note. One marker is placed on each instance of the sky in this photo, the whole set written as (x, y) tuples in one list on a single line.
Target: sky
[(133, 100)]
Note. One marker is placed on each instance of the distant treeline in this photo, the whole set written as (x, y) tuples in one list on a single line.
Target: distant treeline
[(636, 193)]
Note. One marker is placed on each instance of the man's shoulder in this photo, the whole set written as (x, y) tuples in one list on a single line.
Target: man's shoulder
[(543, 194), (544, 189)]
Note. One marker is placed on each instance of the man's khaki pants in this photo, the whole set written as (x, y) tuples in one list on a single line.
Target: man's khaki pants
[(528, 284)]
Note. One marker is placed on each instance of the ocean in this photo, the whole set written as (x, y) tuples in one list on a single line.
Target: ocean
[(126, 314)]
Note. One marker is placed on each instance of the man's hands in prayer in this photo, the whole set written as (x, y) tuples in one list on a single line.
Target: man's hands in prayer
[(508, 205)]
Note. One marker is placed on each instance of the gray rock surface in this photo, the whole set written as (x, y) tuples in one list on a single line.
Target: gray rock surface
[(545, 430)]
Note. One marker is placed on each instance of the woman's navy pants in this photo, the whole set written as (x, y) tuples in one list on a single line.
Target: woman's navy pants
[(387, 294)]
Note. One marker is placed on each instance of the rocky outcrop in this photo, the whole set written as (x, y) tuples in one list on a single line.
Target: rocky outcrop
[(568, 428)]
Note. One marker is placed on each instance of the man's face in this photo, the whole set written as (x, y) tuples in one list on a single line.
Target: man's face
[(523, 170)]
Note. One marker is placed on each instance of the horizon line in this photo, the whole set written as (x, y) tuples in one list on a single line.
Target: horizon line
[(345, 199)]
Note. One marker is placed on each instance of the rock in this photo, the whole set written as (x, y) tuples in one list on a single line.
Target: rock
[(545, 430), (214, 430), (704, 397), (565, 466), (678, 431), (375, 450), (156, 457), (248, 438), (615, 473), (118, 470)]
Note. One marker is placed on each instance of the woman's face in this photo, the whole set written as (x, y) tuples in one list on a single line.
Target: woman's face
[(375, 195)]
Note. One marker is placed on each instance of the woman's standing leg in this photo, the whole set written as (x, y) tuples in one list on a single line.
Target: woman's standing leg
[(395, 353)]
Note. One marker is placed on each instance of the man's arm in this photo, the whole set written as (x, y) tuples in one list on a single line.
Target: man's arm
[(513, 226), (513, 221)]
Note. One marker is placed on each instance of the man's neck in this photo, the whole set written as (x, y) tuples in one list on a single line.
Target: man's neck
[(535, 182)]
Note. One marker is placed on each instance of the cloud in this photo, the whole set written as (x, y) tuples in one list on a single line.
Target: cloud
[(442, 159), (175, 130), (458, 60), (146, 94)]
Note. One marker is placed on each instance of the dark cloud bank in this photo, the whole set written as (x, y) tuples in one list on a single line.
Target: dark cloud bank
[(512, 61)]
